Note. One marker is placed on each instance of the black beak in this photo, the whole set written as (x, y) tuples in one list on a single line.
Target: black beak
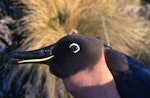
[(36, 56)]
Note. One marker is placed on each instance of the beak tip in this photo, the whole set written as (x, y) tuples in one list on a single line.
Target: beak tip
[(10, 62)]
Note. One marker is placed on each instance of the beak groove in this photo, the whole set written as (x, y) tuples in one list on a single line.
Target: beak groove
[(35, 60)]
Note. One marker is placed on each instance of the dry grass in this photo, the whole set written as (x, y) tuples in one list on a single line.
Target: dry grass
[(41, 22), (55, 17)]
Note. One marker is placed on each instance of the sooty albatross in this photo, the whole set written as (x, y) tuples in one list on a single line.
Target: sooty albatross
[(85, 64)]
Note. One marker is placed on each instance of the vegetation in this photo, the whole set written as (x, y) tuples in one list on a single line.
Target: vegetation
[(40, 23)]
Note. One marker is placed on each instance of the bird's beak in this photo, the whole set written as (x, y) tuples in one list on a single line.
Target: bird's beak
[(35, 56)]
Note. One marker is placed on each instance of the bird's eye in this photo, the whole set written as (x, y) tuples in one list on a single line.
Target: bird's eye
[(74, 47)]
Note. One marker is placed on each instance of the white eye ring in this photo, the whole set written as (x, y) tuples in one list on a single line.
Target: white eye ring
[(75, 47)]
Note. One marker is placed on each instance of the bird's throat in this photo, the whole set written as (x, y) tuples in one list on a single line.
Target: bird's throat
[(97, 81)]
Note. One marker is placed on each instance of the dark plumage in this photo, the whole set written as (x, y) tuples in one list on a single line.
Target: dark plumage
[(77, 52), (145, 1), (132, 77)]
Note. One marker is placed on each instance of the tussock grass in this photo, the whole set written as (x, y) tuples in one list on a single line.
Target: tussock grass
[(53, 18)]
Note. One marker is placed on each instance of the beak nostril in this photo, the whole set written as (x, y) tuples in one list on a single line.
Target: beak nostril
[(45, 51), (49, 51)]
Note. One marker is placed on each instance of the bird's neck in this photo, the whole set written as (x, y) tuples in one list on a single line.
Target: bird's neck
[(96, 82)]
